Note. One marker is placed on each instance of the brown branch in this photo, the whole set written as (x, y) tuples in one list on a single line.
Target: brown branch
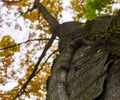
[(83, 5), (23, 43), (46, 61), (22, 90), (47, 16), (29, 10), (53, 25)]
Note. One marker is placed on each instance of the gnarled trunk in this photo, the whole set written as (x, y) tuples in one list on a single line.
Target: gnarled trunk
[(88, 67)]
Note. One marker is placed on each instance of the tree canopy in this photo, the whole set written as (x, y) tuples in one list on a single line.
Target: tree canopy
[(23, 35)]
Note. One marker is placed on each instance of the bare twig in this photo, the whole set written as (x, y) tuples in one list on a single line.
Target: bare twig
[(46, 39)]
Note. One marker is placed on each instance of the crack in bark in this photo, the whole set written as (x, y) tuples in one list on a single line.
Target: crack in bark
[(109, 64)]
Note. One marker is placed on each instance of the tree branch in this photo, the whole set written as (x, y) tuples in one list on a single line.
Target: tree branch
[(46, 61), (53, 27), (47, 39), (35, 72)]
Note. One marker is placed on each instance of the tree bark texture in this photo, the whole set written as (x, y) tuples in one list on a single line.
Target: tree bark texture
[(88, 66)]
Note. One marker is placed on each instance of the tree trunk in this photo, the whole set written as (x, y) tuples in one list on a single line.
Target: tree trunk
[(88, 67)]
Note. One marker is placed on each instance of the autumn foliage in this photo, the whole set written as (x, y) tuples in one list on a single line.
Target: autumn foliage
[(23, 35)]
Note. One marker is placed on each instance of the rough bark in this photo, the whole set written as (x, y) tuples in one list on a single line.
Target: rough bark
[(88, 67)]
